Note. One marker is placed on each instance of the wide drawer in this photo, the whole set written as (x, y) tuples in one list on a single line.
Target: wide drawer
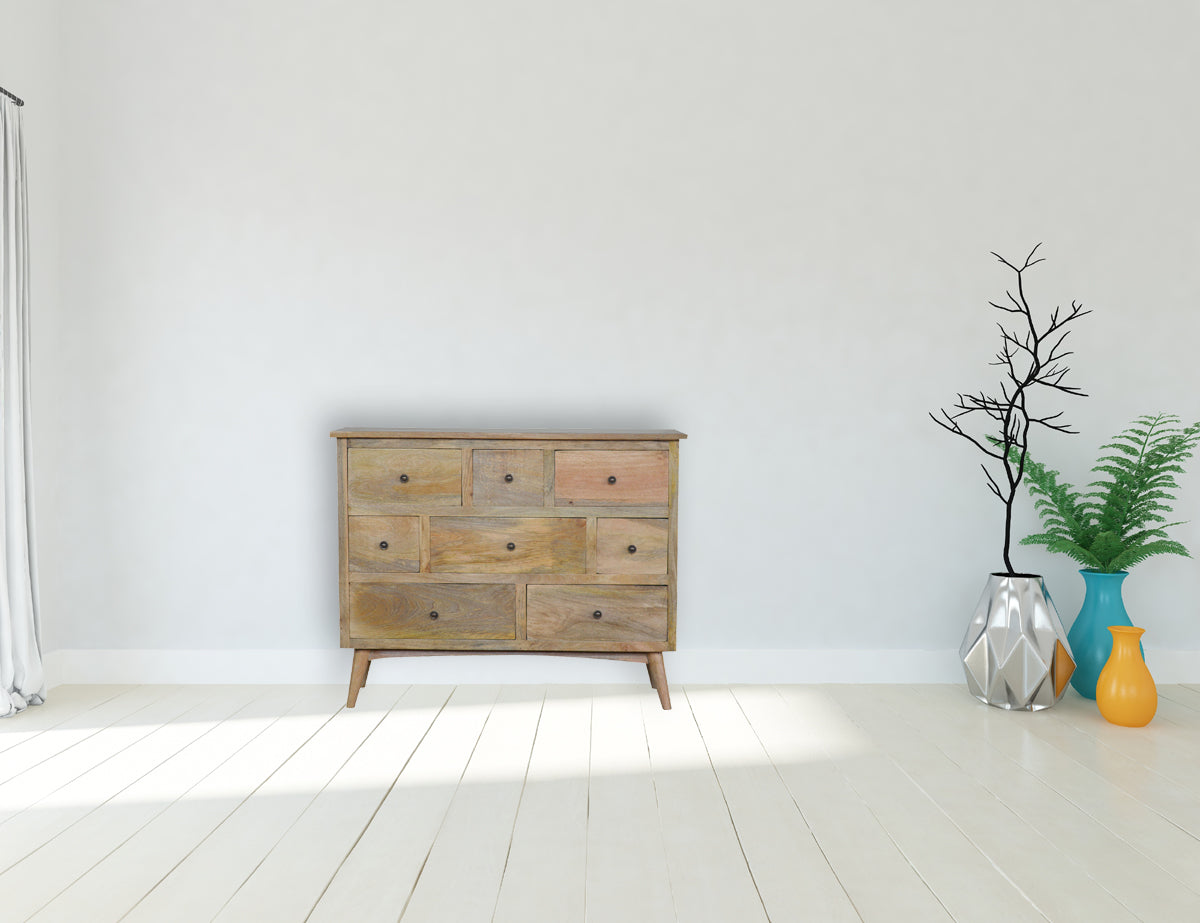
[(507, 477), (635, 477), (384, 544), (631, 546), (485, 545), (455, 611), (390, 480), (595, 613)]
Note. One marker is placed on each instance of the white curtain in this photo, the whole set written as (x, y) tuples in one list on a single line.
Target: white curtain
[(22, 681)]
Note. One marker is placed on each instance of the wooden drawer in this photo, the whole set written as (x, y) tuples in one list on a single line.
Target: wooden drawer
[(476, 545), (389, 480), (631, 546), (568, 613), (384, 544), (507, 477), (601, 478), (406, 610)]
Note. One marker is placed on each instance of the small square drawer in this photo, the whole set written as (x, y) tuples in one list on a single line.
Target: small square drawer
[(636, 477), (592, 613), (453, 611), (385, 544), (389, 480), (478, 545), (631, 546), (507, 477)]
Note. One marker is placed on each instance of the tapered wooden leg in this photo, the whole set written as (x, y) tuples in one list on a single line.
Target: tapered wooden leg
[(358, 675), (658, 678)]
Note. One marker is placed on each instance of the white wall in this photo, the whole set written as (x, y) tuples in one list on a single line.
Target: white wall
[(766, 224)]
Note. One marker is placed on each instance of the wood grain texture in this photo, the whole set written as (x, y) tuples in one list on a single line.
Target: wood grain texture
[(590, 579), (343, 474), (368, 536), (548, 478), (468, 545), (464, 611), (492, 468), (392, 480), (590, 564), (512, 646), (647, 538), (611, 477), (468, 478), (672, 543), (522, 591), (358, 676), (573, 435), (495, 530), (561, 512), (658, 679), (626, 613)]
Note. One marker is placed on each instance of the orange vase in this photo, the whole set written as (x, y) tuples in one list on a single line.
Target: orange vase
[(1125, 691)]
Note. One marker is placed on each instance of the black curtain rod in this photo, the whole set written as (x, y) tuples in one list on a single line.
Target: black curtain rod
[(15, 99)]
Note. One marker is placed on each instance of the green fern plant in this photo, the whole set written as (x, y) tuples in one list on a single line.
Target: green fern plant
[(1121, 521)]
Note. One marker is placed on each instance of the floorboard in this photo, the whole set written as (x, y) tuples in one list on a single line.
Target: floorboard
[(793, 876), (1035, 865), (546, 872), (66, 703), (963, 878), (197, 888), (41, 821), (627, 875), (107, 874), (573, 804), (291, 879), (1144, 887), (710, 878), (461, 877), (376, 879), (803, 736)]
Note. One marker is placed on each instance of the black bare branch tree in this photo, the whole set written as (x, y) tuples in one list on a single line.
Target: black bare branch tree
[(1029, 358)]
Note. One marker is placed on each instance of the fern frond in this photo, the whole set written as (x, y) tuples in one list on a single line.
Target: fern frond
[(1118, 520), (1075, 552), (1137, 554)]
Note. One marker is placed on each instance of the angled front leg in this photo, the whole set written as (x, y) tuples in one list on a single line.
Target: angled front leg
[(358, 675), (658, 678)]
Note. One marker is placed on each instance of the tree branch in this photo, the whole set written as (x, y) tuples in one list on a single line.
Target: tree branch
[(1009, 412)]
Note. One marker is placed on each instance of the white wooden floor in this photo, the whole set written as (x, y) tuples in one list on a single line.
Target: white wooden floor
[(532, 804)]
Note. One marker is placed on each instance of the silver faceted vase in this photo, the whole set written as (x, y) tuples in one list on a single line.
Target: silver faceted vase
[(1015, 652)]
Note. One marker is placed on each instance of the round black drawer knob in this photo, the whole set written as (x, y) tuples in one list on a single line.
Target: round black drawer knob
[(433, 615), (612, 479), (597, 614), (511, 547), (383, 545), (404, 479), (508, 479), (633, 549)]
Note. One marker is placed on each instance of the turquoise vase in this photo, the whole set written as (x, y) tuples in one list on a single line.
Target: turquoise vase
[(1091, 642)]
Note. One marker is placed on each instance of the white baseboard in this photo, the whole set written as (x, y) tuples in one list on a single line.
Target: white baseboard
[(686, 666)]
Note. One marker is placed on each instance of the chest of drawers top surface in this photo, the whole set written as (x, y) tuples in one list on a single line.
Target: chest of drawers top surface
[(552, 435), (506, 540)]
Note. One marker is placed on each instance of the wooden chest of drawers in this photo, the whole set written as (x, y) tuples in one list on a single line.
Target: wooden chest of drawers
[(507, 542)]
